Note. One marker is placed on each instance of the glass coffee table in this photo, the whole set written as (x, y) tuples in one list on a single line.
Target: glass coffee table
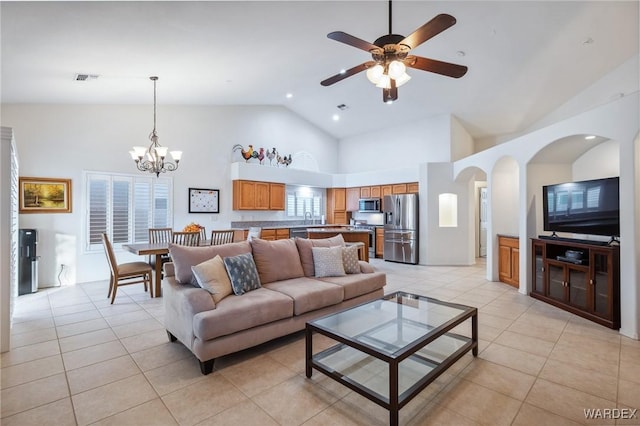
[(390, 349)]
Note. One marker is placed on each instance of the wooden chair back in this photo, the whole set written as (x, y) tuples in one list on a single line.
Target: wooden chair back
[(160, 235), (186, 238), (221, 237), (203, 233), (126, 273)]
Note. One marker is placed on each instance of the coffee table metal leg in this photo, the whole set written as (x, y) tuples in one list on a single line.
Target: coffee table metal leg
[(393, 393), (474, 334), (308, 346)]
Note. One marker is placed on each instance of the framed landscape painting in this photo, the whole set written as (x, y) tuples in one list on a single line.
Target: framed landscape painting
[(44, 195), (204, 200)]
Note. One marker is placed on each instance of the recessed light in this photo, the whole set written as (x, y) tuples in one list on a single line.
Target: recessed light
[(336, 117), (461, 53), (289, 95), (342, 71), (590, 137)]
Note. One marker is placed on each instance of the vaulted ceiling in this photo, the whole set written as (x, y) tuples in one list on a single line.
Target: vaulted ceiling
[(525, 58)]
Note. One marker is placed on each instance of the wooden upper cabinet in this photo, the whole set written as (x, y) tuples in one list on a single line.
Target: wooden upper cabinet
[(399, 188), (376, 192), (339, 199), (353, 195), (365, 192), (262, 196), (277, 196), (244, 195), (413, 187), (386, 190), (252, 195)]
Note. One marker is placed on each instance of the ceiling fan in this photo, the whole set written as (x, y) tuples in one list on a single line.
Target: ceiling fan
[(390, 54)]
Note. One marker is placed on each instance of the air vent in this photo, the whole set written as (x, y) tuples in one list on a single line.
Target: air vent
[(86, 77), (342, 107)]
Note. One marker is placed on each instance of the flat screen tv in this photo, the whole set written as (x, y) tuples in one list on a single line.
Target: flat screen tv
[(585, 207)]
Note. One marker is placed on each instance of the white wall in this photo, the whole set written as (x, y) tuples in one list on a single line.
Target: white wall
[(601, 161), (423, 141), (62, 141), (461, 141)]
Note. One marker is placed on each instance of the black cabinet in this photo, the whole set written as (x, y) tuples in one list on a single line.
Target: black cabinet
[(578, 277)]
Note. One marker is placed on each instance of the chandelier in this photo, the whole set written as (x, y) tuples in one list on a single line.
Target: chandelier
[(154, 158)]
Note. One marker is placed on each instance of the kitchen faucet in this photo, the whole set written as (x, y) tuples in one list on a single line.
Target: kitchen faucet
[(310, 217)]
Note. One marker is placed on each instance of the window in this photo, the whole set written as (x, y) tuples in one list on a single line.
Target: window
[(125, 207), (301, 200)]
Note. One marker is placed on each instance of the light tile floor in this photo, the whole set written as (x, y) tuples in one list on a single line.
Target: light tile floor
[(76, 359)]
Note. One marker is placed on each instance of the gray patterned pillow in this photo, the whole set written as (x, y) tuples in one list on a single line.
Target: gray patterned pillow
[(327, 261), (242, 273), (350, 259)]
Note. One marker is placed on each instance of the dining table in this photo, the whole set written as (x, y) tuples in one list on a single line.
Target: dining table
[(151, 249)]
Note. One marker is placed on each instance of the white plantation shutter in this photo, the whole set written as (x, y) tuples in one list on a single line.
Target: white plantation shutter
[(125, 207), (301, 201)]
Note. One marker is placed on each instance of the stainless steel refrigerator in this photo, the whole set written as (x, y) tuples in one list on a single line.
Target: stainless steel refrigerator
[(401, 228)]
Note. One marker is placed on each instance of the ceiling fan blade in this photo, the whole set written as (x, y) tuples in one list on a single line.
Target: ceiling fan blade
[(348, 73), (429, 30), (438, 67), (345, 38)]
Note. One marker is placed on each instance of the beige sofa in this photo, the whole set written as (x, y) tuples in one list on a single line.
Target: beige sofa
[(290, 295)]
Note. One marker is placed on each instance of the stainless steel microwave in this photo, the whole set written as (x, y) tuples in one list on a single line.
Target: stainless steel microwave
[(369, 205)]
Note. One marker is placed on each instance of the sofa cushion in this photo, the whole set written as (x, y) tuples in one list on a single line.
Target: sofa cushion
[(212, 276), (358, 284), (306, 255), (327, 261), (238, 313), (350, 259), (242, 273), (308, 294), (276, 260), (184, 257)]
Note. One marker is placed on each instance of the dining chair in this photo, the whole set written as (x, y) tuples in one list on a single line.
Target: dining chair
[(203, 234), (221, 237), (125, 273), (160, 235), (186, 238)]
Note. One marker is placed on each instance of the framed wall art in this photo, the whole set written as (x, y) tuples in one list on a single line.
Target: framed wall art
[(44, 195), (204, 200)]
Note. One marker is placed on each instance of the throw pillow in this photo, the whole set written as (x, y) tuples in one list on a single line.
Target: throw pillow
[(350, 259), (306, 255), (212, 276), (242, 273), (184, 257), (276, 260), (327, 261)]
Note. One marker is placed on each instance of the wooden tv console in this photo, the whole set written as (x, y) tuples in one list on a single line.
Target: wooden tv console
[(578, 277)]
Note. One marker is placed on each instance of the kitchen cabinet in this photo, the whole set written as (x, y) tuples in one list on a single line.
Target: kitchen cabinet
[(282, 233), (386, 190), (276, 196), (399, 188), (379, 242), (578, 277), (365, 192), (337, 206), (509, 260), (254, 195), (353, 195), (268, 234), (413, 188), (376, 192)]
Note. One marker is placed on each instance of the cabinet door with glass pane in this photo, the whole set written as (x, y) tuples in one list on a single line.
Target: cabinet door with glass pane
[(556, 280), (577, 286), (538, 268), (601, 283)]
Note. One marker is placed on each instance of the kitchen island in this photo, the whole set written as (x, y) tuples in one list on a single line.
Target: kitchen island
[(350, 235)]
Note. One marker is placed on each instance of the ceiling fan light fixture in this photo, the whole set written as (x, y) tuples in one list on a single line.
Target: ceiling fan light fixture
[(384, 82), (402, 79), (375, 73), (396, 69)]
